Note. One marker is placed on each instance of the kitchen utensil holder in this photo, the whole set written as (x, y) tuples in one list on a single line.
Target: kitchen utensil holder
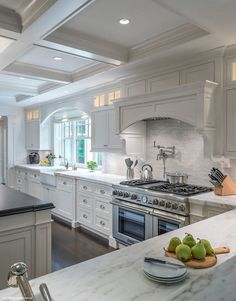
[(228, 187)]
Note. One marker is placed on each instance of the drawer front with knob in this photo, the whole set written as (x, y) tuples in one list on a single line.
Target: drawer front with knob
[(85, 186), (102, 224), (85, 217), (103, 190), (102, 207), (84, 201), (65, 184)]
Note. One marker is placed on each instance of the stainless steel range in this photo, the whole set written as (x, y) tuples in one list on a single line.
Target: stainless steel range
[(142, 210)]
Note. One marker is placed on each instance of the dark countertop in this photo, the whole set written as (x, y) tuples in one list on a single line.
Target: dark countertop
[(15, 202)]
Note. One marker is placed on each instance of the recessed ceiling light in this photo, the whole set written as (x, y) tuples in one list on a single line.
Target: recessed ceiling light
[(21, 77), (124, 21), (57, 58), (66, 92)]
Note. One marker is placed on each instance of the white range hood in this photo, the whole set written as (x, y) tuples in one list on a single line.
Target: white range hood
[(192, 103)]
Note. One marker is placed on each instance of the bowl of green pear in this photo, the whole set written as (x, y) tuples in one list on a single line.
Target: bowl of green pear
[(195, 253)]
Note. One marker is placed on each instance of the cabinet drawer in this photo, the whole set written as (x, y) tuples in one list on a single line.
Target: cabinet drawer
[(35, 176), (102, 224), (85, 217), (85, 201), (85, 186), (102, 207), (103, 190), (65, 184)]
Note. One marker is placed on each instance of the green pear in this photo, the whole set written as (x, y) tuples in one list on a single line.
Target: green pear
[(174, 242), (199, 251), (207, 246), (189, 240), (183, 252)]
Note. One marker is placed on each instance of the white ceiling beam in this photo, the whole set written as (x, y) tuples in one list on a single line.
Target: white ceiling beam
[(26, 90), (37, 72), (60, 12), (71, 41)]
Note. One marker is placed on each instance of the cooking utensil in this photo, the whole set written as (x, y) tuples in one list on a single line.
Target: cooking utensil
[(156, 260), (130, 174), (146, 172), (135, 163), (45, 292), (215, 183), (128, 162), (177, 178)]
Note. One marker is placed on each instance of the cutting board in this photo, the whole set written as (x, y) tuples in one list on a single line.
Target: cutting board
[(207, 262)]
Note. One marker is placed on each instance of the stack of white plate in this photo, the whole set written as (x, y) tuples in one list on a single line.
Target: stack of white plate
[(165, 273)]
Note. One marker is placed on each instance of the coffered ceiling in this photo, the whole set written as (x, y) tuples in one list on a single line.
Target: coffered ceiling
[(52, 49)]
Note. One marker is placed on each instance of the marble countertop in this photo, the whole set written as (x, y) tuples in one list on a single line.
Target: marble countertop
[(211, 199), (80, 173), (118, 276)]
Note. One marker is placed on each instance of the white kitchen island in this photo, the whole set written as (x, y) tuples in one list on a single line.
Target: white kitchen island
[(118, 276)]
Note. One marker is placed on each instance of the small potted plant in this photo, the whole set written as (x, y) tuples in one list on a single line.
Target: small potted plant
[(92, 165), (50, 158)]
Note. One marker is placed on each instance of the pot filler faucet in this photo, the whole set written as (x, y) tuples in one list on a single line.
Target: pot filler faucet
[(164, 152), (18, 277)]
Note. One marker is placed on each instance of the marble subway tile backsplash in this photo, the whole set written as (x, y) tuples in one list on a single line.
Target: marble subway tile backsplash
[(189, 152)]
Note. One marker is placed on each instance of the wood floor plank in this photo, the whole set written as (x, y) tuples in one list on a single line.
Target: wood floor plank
[(71, 246)]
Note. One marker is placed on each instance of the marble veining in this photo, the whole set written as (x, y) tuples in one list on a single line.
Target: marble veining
[(118, 276)]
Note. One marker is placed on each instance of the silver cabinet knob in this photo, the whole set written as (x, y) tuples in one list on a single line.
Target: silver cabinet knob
[(102, 207), (64, 183), (85, 201), (102, 191), (85, 187), (85, 216), (102, 223)]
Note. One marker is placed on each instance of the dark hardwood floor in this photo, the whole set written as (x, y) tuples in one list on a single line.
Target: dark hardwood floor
[(71, 246)]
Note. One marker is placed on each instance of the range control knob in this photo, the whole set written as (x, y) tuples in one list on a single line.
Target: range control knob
[(155, 202), (168, 205), (126, 194), (144, 199), (115, 192), (121, 193), (175, 206), (182, 208), (162, 203), (134, 197)]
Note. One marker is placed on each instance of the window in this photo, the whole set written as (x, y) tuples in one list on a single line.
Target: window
[(234, 71), (72, 140)]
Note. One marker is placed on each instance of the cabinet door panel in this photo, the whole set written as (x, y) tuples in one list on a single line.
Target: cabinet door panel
[(64, 203), (231, 121), (114, 140), (99, 129)]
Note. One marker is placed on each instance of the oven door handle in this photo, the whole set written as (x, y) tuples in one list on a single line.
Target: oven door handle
[(178, 219), (134, 207)]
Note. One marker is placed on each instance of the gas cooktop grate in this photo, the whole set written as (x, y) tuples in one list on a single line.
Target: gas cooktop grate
[(139, 182), (180, 189)]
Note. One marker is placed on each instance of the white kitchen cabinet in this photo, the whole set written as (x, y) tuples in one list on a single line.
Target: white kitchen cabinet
[(230, 123), (22, 183), (38, 135), (94, 208), (104, 137), (135, 88), (34, 185), (200, 72), (48, 193), (65, 199)]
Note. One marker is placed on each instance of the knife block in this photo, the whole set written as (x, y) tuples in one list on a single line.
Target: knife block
[(228, 187)]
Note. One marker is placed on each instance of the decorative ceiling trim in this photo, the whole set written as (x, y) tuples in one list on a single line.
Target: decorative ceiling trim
[(167, 40), (10, 20)]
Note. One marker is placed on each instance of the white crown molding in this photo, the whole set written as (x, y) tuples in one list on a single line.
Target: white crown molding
[(38, 72), (10, 20), (169, 39), (90, 71), (71, 41)]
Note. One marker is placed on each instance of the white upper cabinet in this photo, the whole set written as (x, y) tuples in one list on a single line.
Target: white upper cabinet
[(231, 123), (198, 73), (38, 136), (104, 137), (163, 82)]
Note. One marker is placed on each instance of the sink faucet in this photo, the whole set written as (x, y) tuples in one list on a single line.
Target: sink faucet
[(66, 162), (18, 277)]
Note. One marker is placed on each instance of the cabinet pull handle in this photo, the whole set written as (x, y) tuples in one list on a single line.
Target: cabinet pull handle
[(85, 187), (85, 216), (35, 176), (105, 145), (85, 201), (102, 191), (64, 183), (102, 207), (102, 223)]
